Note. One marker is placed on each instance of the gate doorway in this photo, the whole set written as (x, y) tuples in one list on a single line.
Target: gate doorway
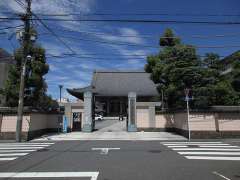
[(77, 121)]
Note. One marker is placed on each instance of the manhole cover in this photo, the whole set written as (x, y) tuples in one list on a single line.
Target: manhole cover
[(42, 150), (155, 151)]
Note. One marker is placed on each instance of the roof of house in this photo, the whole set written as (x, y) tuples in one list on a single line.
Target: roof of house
[(119, 83), (231, 58), (5, 57)]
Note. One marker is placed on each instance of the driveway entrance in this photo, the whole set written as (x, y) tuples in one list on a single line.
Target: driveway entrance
[(110, 125)]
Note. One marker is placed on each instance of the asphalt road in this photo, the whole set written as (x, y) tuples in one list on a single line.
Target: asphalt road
[(130, 160)]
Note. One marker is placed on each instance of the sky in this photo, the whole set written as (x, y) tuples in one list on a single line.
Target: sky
[(119, 45)]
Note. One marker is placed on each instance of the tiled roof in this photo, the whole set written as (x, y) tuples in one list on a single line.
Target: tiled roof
[(120, 83)]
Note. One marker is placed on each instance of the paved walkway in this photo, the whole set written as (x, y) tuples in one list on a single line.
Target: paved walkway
[(98, 135), (110, 126)]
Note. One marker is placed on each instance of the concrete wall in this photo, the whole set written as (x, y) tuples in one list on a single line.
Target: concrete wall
[(33, 125), (202, 124)]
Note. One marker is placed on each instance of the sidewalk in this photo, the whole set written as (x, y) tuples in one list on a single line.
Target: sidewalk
[(134, 136)]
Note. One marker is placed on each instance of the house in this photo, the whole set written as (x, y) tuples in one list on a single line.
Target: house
[(228, 62), (5, 61)]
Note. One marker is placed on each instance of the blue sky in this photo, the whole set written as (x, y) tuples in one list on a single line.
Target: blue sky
[(75, 72)]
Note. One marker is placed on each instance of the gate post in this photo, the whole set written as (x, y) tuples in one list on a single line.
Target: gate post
[(87, 125), (132, 115)]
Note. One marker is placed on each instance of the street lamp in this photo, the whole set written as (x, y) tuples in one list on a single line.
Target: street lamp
[(60, 94)]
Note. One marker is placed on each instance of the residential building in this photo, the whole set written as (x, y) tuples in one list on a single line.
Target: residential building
[(228, 62)]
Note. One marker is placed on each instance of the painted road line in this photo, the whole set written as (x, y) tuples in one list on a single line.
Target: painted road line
[(23, 145), (210, 153), (27, 143), (177, 146), (220, 175), (92, 175), (191, 142), (198, 144), (204, 149), (13, 154), (8, 159), (104, 150), (218, 146), (17, 151), (20, 148), (214, 158)]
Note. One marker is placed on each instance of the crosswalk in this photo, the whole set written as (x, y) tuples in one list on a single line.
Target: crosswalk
[(206, 150), (12, 151)]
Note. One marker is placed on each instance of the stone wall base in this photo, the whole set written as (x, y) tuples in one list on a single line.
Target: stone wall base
[(26, 136), (196, 134), (156, 129)]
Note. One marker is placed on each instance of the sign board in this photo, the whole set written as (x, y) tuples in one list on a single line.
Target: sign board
[(65, 124)]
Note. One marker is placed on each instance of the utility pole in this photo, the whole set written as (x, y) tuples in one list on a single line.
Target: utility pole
[(26, 43)]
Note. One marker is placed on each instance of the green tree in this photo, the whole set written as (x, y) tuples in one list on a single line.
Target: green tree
[(177, 67), (35, 85), (169, 39), (174, 69)]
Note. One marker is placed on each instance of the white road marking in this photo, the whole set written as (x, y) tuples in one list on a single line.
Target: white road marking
[(11, 151), (17, 150), (220, 175), (211, 153), (191, 142), (177, 146), (92, 175), (23, 145), (21, 148), (104, 150), (195, 144), (204, 149), (214, 158), (218, 146), (13, 154), (27, 143), (8, 159)]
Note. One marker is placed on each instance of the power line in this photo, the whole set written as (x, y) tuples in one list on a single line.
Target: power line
[(108, 42), (136, 21), (53, 33), (46, 26), (148, 46), (93, 55), (146, 35), (134, 14), (11, 27)]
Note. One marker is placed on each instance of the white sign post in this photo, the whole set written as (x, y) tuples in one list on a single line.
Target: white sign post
[(187, 100)]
